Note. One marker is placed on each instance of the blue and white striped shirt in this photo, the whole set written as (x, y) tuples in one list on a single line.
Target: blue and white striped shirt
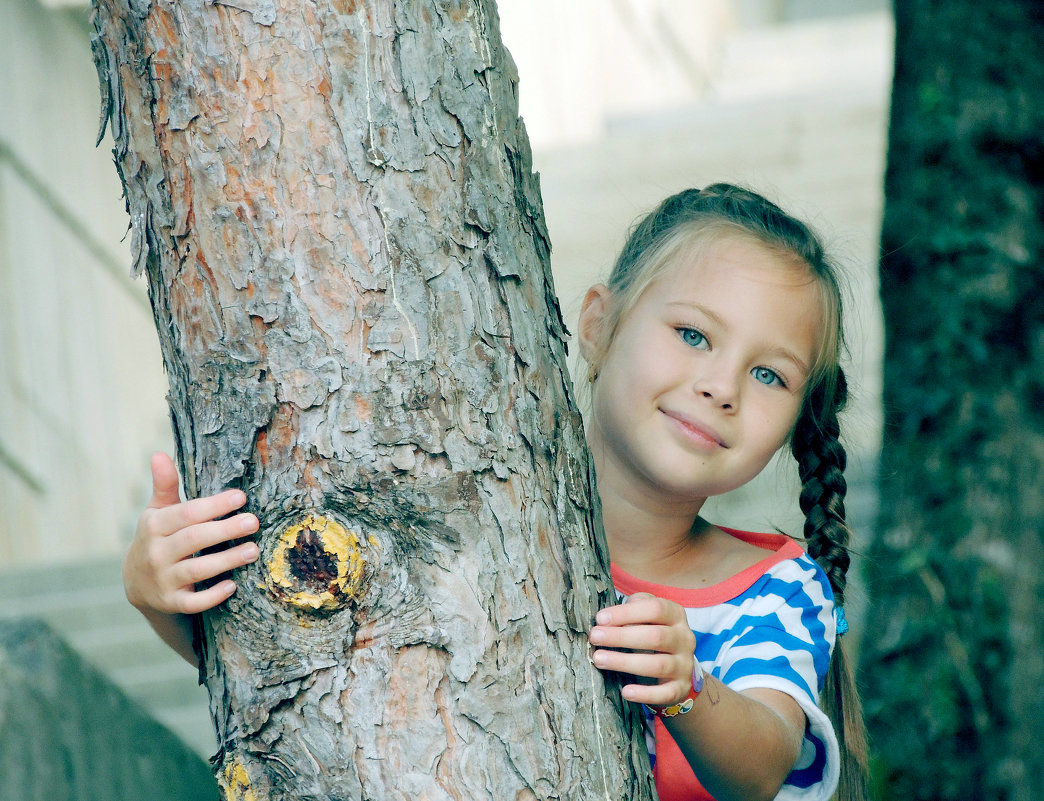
[(770, 626)]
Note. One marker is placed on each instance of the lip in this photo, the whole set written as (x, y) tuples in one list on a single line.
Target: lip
[(695, 431)]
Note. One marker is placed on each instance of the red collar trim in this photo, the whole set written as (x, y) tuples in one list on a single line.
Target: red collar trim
[(781, 546)]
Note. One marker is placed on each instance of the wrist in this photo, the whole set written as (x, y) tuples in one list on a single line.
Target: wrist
[(684, 706)]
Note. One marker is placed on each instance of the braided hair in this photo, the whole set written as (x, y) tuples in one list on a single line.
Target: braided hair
[(688, 222), (821, 463)]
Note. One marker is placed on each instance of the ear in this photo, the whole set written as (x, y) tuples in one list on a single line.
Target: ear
[(593, 313)]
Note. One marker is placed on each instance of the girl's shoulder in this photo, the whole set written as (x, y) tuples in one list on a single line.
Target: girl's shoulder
[(784, 558), (790, 574)]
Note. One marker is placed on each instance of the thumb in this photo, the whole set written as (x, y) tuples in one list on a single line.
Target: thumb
[(164, 482)]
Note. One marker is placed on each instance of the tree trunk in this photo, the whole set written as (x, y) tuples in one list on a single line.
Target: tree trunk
[(954, 673), (334, 204)]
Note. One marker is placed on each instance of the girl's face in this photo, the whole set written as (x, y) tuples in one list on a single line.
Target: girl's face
[(705, 377)]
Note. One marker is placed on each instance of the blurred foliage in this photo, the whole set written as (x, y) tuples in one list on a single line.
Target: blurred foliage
[(953, 660)]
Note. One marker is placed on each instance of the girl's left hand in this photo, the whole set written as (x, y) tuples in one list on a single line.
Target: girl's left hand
[(659, 645)]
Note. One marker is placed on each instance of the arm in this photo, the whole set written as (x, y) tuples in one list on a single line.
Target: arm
[(160, 569), (739, 745)]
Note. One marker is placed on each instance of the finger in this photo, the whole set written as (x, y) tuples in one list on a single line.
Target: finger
[(171, 519), (189, 602), (637, 609), (189, 572), (164, 482), (187, 542), (638, 596), (662, 667), (650, 637), (666, 694)]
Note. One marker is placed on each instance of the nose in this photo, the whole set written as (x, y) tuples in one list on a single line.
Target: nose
[(719, 385)]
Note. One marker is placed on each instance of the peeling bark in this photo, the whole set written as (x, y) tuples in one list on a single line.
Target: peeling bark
[(347, 259)]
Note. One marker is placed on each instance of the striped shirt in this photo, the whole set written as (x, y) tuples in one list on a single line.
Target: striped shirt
[(770, 626)]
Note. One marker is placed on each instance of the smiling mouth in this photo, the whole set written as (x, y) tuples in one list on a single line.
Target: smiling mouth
[(696, 431)]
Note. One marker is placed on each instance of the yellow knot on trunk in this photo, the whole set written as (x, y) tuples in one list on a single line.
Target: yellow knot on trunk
[(317, 564), (235, 783)]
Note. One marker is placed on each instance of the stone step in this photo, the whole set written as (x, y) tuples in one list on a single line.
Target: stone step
[(121, 643), (84, 602), (72, 612), (163, 684), (56, 583)]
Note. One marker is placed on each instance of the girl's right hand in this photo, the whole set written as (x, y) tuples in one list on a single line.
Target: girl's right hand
[(160, 570), (646, 637)]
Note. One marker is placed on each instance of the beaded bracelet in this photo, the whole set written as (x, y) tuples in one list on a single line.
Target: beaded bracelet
[(686, 704)]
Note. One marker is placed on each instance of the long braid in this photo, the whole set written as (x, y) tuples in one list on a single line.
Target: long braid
[(821, 462)]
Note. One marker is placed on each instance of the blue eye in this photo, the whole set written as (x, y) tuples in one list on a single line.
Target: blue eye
[(692, 337), (767, 377)]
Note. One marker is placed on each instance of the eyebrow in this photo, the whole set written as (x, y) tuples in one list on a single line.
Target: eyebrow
[(776, 350), (685, 304)]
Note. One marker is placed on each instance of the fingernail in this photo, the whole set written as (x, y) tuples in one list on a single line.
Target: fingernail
[(597, 636), (603, 616), (248, 523), (238, 497), (598, 658)]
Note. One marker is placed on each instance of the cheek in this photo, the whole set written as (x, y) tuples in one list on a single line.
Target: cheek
[(627, 370), (777, 427), (608, 395)]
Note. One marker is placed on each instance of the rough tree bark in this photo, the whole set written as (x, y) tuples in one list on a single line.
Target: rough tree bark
[(954, 672), (334, 204)]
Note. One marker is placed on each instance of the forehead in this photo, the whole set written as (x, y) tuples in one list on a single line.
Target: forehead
[(746, 283), (730, 261)]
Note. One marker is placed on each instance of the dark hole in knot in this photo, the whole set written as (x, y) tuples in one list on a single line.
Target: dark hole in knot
[(309, 563)]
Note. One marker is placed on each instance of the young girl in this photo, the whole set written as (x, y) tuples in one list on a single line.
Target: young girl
[(715, 342)]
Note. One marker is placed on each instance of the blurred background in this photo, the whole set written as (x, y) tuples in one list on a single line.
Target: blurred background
[(627, 101), (790, 98)]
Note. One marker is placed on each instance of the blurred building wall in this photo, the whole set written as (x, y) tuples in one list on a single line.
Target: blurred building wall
[(81, 384)]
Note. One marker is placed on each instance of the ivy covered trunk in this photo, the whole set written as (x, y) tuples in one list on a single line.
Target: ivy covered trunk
[(954, 660), (333, 202)]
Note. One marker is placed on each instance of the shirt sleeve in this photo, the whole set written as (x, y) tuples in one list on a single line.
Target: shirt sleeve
[(782, 639)]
